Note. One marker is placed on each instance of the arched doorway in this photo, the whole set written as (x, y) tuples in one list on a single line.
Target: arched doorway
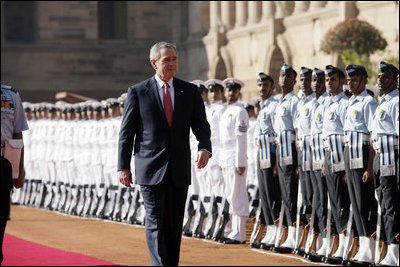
[(220, 70), (276, 63)]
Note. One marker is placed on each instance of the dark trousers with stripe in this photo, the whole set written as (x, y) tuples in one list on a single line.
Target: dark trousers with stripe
[(362, 195), (388, 196), (306, 190), (338, 194), (320, 192), (269, 191), (288, 183), (6, 184)]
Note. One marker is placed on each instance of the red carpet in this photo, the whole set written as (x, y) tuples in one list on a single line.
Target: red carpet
[(19, 252)]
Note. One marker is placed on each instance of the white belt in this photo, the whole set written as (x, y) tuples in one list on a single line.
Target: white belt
[(292, 139), (365, 137), (326, 143)]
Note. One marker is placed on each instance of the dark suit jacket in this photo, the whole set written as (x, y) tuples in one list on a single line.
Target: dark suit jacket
[(155, 143)]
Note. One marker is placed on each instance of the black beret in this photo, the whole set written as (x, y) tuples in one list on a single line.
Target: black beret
[(331, 70), (52, 109), (248, 106), (78, 110), (383, 67), (70, 110), (98, 108), (317, 73), (113, 104), (305, 72), (353, 70), (264, 77), (27, 109), (287, 68)]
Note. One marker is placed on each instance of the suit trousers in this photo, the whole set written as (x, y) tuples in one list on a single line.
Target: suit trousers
[(338, 194), (6, 184), (289, 186), (164, 204), (388, 195), (362, 195), (306, 190), (321, 201), (268, 186)]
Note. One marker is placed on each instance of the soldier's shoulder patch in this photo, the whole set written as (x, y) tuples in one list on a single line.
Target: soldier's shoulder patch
[(242, 127), (7, 87)]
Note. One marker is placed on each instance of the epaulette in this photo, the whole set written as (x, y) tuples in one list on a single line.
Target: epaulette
[(7, 87)]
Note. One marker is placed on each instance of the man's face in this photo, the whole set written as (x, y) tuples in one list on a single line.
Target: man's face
[(215, 95), (333, 84), (167, 65), (305, 84), (386, 81), (356, 84), (232, 95), (266, 88), (204, 95), (318, 85), (286, 81)]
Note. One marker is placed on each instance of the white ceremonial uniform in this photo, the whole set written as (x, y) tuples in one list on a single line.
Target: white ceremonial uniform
[(233, 153)]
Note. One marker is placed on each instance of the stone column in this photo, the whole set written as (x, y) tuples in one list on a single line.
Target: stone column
[(254, 11), (226, 14), (301, 6), (214, 15), (241, 13), (316, 4), (268, 10), (348, 9)]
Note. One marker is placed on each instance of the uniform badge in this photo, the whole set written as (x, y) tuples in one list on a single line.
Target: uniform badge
[(381, 113), (330, 115), (306, 112), (242, 127), (318, 117), (283, 110), (354, 114)]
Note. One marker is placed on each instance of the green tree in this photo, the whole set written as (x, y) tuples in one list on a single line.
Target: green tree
[(354, 40)]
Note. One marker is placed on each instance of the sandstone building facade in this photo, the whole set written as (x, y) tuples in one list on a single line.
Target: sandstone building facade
[(99, 48)]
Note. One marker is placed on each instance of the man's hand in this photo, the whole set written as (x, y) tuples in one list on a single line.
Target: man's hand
[(125, 177), (323, 170), (202, 159), (240, 170), (19, 182), (368, 176)]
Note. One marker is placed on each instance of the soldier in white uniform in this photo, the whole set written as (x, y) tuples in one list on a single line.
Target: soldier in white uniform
[(385, 136), (204, 204), (251, 180), (286, 154), (214, 171), (233, 149)]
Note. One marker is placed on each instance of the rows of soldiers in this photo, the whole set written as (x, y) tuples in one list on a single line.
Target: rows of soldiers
[(71, 158), (316, 173)]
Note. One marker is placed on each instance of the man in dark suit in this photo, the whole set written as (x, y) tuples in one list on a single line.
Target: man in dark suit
[(159, 113)]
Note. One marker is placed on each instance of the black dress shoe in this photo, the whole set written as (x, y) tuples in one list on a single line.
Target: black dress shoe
[(314, 257), (266, 246), (229, 241), (300, 252), (187, 233), (283, 249), (358, 263), (334, 260), (255, 245)]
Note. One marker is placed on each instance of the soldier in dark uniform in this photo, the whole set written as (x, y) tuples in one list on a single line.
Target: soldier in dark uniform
[(385, 136), (13, 123)]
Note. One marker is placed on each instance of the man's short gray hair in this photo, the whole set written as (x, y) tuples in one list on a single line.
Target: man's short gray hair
[(155, 49)]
